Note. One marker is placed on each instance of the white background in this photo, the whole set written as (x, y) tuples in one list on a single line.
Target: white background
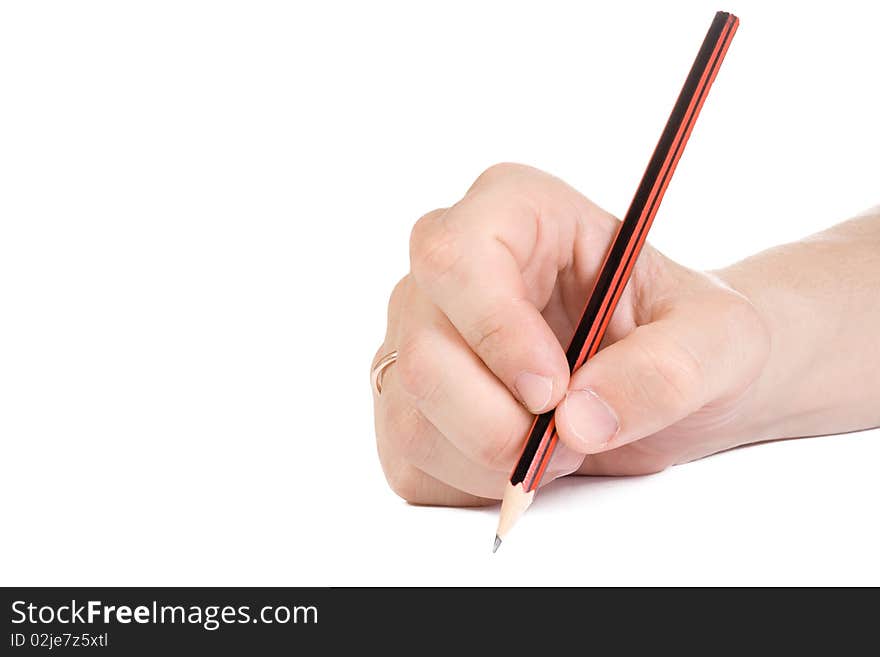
[(204, 206)]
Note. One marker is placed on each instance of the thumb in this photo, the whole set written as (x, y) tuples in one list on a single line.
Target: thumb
[(705, 349)]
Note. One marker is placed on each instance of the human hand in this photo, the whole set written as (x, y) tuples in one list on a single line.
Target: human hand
[(497, 286)]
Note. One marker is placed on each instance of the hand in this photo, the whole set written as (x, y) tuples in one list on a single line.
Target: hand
[(497, 285)]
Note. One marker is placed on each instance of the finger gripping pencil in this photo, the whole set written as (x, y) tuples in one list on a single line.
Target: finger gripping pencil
[(619, 261)]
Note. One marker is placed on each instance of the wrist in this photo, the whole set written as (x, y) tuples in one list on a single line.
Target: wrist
[(782, 402)]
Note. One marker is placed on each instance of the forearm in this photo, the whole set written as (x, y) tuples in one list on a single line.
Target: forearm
[(820, 299)]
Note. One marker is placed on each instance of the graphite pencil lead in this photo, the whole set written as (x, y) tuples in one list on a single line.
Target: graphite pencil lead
[(497, 544)]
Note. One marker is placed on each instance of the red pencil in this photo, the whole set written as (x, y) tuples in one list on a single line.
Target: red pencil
[(619, 261)]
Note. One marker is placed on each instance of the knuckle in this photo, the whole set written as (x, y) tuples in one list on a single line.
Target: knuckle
[(487, 334), (395, 302), (499, 173), (404, 430), (398, 294), (414, 370), (488, 337), (433, 249)]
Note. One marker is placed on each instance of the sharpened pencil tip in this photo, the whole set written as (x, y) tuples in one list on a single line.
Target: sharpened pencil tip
[(497, 543)]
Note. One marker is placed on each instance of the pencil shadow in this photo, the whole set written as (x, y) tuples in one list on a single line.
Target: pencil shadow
[(574, 486), (564, 489)]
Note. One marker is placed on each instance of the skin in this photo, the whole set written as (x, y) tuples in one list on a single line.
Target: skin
[(783, 344)]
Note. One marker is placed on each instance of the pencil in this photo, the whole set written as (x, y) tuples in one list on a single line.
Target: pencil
[(619, 261)]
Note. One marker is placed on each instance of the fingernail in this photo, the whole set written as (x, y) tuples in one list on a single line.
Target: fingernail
[(534, 390), (589, 418)]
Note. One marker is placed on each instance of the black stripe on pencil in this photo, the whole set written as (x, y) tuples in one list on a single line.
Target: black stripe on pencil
[(620, 260)]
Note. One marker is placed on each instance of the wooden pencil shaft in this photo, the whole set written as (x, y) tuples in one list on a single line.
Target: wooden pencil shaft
[(620, 258)]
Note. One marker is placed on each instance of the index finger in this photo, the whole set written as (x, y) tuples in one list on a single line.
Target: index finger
[(490, 263)]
